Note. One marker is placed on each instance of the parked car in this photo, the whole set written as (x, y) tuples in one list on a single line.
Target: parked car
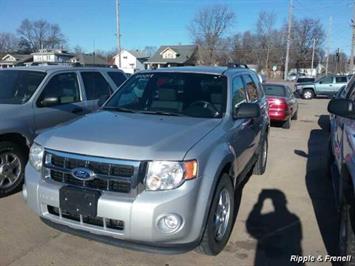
[(283, 105), (33, 99), (162, 169), (326, 86), (342, 164), (292, 76)]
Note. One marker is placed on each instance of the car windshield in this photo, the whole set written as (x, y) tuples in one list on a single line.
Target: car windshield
[(274, 90), (17, 86), (182, 94)]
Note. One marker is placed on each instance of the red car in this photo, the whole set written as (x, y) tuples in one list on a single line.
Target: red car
[(283, 106)]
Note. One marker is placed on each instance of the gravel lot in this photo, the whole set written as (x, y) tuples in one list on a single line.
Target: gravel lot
[(296, 181)]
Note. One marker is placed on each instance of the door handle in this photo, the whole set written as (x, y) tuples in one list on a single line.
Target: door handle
[(77, 110)]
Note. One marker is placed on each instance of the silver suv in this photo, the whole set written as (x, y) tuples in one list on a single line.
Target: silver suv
[(35, 98), (158, 167)]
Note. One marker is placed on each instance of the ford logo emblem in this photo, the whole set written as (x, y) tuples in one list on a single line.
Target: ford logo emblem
[(83, 174)]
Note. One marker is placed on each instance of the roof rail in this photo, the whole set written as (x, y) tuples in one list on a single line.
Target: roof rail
[(236, 65)]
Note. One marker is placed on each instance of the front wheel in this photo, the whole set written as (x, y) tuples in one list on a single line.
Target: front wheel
[(12, 167), (260, 165), (220, 219)]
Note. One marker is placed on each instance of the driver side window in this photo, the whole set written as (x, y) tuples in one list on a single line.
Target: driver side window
[(64, 87), (238, 92), (326, 80)]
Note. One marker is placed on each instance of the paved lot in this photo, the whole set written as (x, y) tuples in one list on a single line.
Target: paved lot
[(305, 220)]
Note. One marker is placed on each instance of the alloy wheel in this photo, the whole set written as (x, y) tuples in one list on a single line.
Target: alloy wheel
[(222, 214), (10, 169)]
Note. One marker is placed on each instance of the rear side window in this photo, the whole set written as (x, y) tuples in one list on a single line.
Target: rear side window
[(275, 90), (64, 86), (251, 88), (95, 85), (340, 79), (117, 77)]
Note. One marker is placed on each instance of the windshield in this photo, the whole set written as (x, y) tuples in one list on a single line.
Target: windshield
[(186, 94), (274, 90), (17, 86)]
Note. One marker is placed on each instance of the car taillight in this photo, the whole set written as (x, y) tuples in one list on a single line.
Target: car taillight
[(279, 103)]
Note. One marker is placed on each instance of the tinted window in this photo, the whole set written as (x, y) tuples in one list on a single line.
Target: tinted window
[(95, 85), (238, 92), (117, 77), (189, 94), (251, 88), (302, 80), (340, 79), (17, 86), (326, 80), (64, 86), (275, 90)]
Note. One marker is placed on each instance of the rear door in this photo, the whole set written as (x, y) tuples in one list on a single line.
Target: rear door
[(325, 86), (95, 87), (64, 87)]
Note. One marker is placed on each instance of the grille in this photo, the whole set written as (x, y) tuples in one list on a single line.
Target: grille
[(96, 221), (111, 175)]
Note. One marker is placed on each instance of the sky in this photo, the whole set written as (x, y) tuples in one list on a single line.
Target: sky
[(91, 24)]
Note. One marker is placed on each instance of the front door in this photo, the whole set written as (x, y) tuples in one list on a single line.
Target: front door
[(325, 86), (66, 105)]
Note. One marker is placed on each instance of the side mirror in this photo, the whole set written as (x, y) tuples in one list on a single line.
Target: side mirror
[(342, 107), (247, 110), (102, 100), (49, 101)]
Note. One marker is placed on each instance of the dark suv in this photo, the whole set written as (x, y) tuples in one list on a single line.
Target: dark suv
[(342, 151)]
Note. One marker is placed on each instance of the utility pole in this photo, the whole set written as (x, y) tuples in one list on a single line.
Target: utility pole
[(329, 33), (313, 48), (118, 32), (352, 40), (290, 7)]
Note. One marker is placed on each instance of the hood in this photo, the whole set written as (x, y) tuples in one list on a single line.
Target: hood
[(129, 136), (9, 109)]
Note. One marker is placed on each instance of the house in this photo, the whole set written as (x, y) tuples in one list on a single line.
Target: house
[(89, 60), (173, 55), (131, 61), (11, 60), (48, 57)]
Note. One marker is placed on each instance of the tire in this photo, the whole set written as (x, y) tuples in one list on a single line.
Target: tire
[(213, 243), (13, 159), (346, 232), (295, 116), (287, 124), (260, 165), (307, 94)]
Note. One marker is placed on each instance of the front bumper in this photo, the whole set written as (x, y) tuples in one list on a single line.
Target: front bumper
[(140, 215)]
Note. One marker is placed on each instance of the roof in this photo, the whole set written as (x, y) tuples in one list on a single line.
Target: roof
[(90, 59), (19, 57), (54, 68), (185, 53), (196, 69)]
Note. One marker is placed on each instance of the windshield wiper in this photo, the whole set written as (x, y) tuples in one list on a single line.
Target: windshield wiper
[(119, 109), (160, 113)]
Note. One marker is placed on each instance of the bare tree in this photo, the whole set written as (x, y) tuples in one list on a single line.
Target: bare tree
[(35, 35), (8, 42), (208, 28), (304, 32), (265, 34)]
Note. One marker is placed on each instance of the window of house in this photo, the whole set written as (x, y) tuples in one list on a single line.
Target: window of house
[(95, 85)]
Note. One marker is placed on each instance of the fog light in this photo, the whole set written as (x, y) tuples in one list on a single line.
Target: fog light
[(169, 223)]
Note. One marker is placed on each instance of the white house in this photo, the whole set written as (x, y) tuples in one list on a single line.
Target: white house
[(44, 56), (11, 60), (131, 61)]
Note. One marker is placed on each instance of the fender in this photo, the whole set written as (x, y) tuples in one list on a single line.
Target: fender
[(10, 127)]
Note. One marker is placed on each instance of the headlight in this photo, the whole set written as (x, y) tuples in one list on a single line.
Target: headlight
[(165, 175), (36, 156)]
